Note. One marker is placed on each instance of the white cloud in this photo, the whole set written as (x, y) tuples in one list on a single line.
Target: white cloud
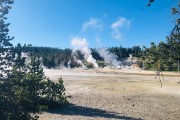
[(79, 42), (93, 23), (98, 40), (117, 25)]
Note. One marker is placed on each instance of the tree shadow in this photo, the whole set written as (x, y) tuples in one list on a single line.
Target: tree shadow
[(72, 109)]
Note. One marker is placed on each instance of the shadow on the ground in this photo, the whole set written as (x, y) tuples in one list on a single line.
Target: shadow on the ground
[(72, 109)]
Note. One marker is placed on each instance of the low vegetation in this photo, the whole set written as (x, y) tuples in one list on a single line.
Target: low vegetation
[(24, 90)]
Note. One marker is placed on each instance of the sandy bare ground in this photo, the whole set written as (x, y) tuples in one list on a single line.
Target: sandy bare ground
[(114, 94)]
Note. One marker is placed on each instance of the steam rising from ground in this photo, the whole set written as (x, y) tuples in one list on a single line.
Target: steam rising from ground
[(109, 57), (81, 44)]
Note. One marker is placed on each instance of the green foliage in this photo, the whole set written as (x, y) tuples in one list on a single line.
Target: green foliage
[(165, 55), (23, 85), (31, 91), (101, 63), (52, 94), (89, 65), (123, 53), (96, 55), (51, 57), (54, 57)]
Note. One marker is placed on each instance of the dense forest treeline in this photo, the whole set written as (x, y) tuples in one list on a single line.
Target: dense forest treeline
[(164, 55), (149, 58), (56, 57), (51, 57)]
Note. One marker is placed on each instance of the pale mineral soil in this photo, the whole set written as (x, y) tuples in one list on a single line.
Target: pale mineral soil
[(116, 94)]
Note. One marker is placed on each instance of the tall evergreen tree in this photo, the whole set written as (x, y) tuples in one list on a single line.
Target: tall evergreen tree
[(22, 86), (174, 38)]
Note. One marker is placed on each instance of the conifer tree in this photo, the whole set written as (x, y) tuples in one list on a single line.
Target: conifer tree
[(23, 86)]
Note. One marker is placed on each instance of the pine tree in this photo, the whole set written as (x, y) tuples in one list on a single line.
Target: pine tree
[(174, 39), (23, 86)]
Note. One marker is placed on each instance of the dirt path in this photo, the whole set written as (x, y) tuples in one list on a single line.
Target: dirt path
[(116, 96)]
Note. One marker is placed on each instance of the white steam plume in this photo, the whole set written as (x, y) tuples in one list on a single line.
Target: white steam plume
[(78, 61), (81, 44), (109, 57)]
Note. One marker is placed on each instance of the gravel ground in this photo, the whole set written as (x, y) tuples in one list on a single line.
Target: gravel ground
[(95, 96)]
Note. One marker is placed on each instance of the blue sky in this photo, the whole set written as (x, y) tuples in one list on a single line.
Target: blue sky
[(103, 23)]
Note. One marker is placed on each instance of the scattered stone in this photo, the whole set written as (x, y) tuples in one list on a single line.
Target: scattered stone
[(69, 96)]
